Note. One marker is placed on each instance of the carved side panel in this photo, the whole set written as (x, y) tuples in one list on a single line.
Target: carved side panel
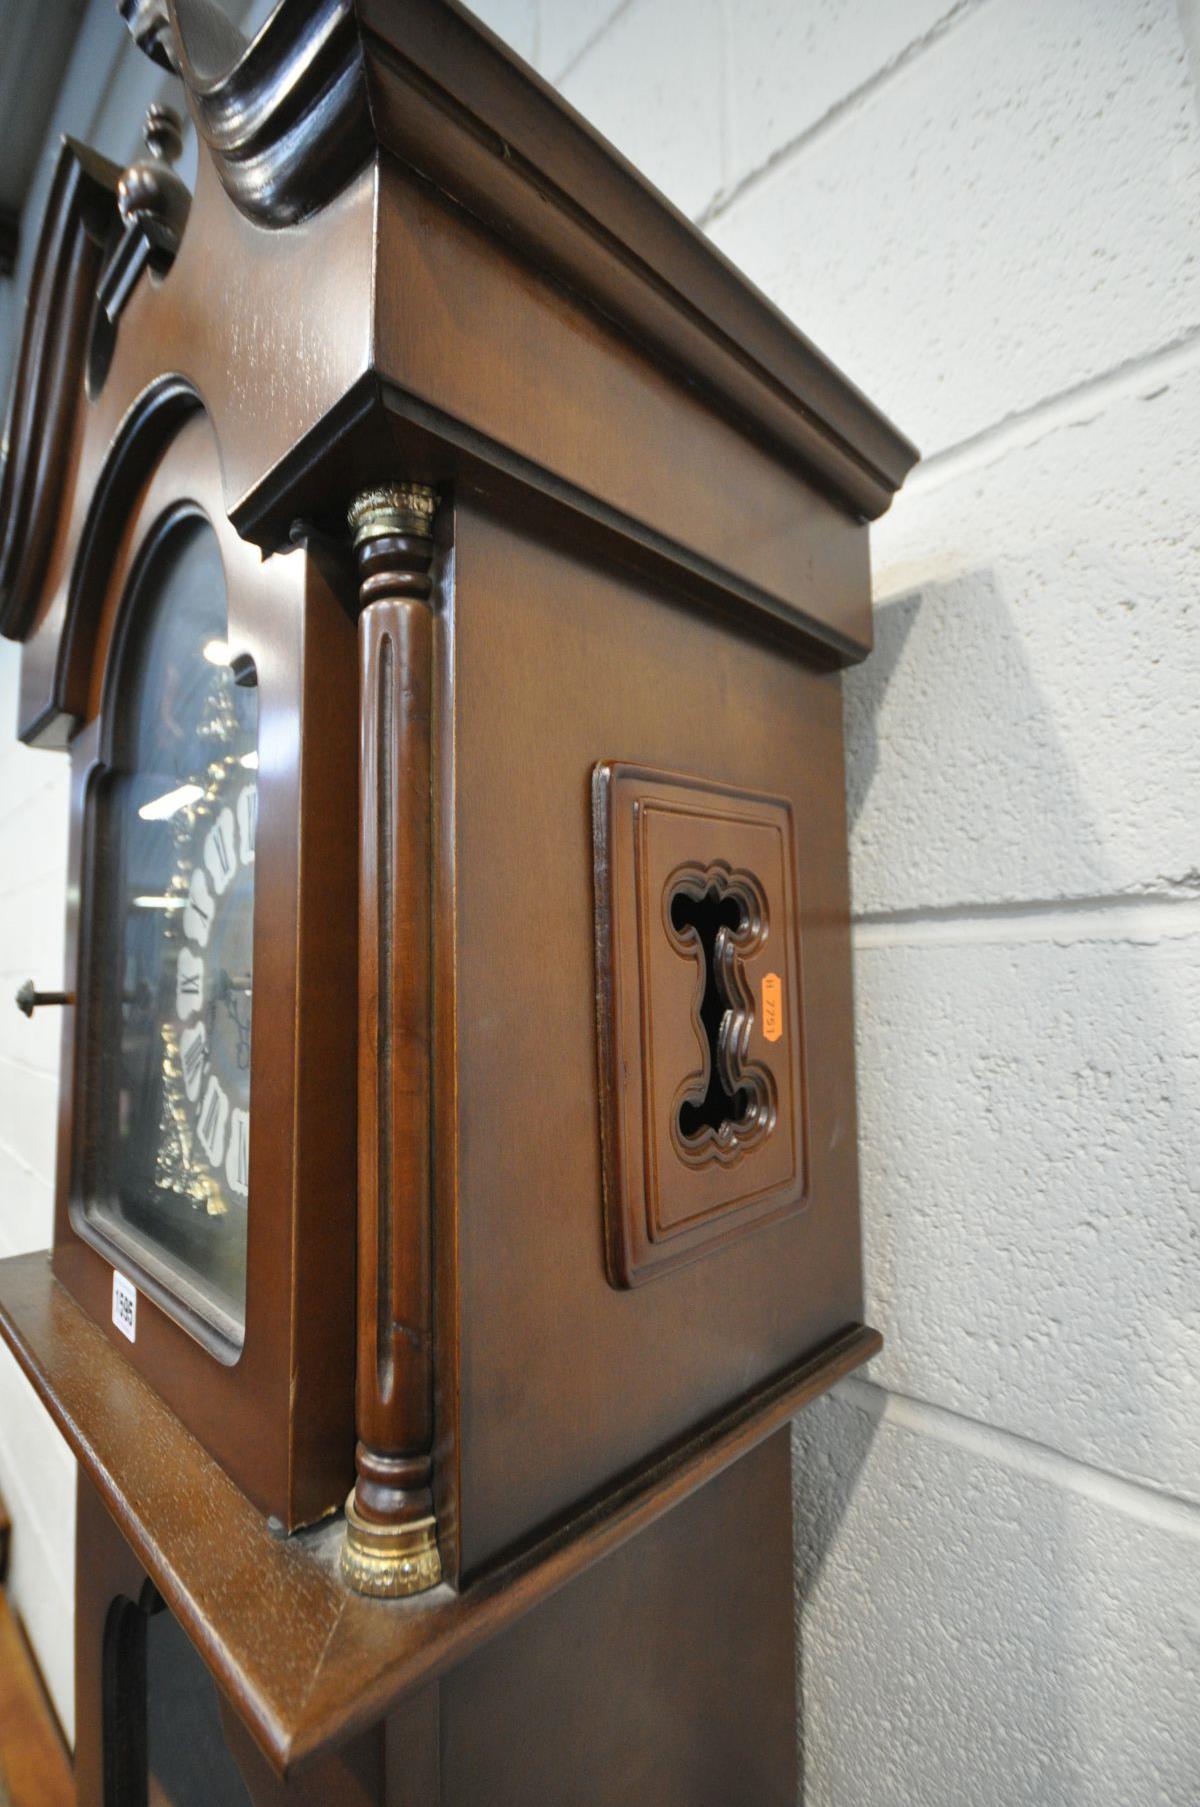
[(700, 1016)]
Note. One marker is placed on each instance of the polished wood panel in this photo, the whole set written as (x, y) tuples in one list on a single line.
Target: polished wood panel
[(114, 1596), (451, 101), (667, 1660), (199, 340), (580, 405), (302, 1659), (662, 1677), (560, 661), (288, 119)]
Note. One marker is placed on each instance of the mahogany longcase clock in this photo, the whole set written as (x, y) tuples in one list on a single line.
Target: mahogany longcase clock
[(436, 563)]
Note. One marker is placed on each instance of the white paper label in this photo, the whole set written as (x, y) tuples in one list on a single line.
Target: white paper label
[(125, 1305)]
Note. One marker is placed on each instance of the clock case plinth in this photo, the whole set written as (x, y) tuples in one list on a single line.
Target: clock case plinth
[(408, 262)]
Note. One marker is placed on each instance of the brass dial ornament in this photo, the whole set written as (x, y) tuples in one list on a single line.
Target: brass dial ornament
[(204, 1147), (169, 995)]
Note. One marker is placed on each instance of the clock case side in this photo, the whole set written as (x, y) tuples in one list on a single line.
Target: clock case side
[(279, 1416), (604, 376)]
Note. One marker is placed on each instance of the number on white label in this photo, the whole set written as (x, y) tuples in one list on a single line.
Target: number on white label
[(124, 1306), (247, 815), (220, 851), (237, 1161), (189, 984), (214, 1119), (198, 911)]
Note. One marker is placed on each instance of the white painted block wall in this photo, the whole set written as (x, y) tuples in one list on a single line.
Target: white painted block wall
[(987, 212)]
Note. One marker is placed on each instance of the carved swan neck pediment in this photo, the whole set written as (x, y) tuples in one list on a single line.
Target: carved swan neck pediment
[(284, 117)]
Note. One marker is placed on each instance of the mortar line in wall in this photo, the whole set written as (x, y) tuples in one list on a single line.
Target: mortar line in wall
[(1141, 918), (725, 26), (8, 1059), (47, 792), (17, 1160), (24, 1172), (52, 876), (1133, 1497), (846, 105), (1145, 375), (577, 56)]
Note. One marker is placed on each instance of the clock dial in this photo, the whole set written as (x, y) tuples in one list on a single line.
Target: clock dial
[(170, 953), (204, 1150)]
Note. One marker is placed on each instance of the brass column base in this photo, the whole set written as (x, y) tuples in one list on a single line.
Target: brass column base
[(390, 1561)]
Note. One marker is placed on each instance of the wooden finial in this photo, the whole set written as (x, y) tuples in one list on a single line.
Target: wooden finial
[(152, 199)]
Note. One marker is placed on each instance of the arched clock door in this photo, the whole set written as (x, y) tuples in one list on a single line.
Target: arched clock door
[(213, 855), (166, 972)]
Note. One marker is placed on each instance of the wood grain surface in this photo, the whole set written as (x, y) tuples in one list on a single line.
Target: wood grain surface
[(304, 1661)]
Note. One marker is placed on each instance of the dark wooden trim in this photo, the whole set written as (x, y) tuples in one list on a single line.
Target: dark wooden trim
[(47, 386), (202, 1543), (394, 1392), (143, 437), (376, 423), (285, 118)]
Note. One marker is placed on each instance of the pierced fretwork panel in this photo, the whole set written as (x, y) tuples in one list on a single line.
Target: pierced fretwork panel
[(700, 1015)]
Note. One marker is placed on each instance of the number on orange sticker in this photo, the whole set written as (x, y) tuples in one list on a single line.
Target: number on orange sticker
[(772, 1007)]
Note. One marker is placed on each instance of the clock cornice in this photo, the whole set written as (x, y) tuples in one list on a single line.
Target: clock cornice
[(326, 84), (346, 140)]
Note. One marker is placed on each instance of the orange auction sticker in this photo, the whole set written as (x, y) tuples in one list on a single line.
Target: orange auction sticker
[(772, 1006)]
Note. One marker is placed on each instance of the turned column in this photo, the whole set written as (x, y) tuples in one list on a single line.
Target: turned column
[(391, 1535)]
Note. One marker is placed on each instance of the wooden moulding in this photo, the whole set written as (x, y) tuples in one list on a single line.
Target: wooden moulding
[(454, 103), (81, 212), (291, 116), (285, 119), (245, 1597), (391, 1543), (312, 131)]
